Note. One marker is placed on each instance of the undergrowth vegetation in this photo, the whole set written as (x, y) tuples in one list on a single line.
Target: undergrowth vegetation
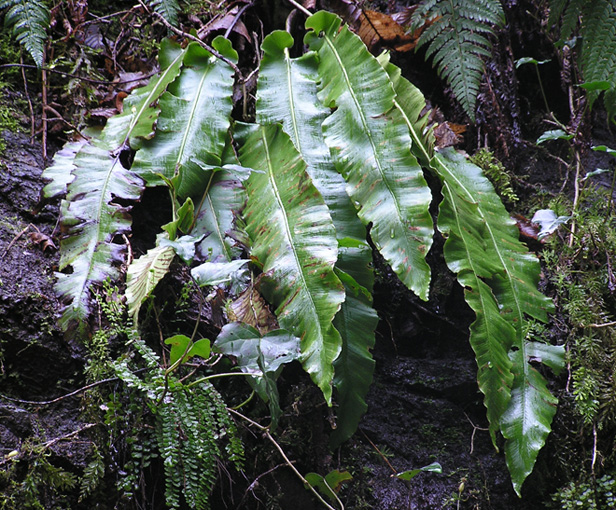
[(304, 225), (275, 216)]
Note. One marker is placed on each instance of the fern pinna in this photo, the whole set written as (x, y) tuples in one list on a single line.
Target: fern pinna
[(340, 144), (29, 20), (598, 48), (456, 34)]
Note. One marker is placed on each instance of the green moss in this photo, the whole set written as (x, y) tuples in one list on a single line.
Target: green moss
[(497, 173)]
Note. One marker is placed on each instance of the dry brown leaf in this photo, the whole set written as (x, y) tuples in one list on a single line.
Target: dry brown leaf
[(250, 308), (448, 134), (376, 29), (43, 241)]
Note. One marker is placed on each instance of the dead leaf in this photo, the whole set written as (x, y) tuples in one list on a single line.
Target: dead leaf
[(529, 231), (376, 29), (448, 134), (250, 308), (43, 241), (223, 22)]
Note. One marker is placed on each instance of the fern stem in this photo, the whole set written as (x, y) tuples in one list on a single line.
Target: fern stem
[(576, 196), (193, 38), (300, 7), (545, 99)]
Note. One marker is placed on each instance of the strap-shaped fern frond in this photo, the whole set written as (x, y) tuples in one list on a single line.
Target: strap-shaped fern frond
[(456, 39), (287, 93), (30, 21), (91, 214)]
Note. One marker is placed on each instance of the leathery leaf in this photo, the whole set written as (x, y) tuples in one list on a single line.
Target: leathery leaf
[(491, 335), (192, 126), (371, 151), (138, 118), (91, 217), (287, 93), (527, 420), (294, 240)]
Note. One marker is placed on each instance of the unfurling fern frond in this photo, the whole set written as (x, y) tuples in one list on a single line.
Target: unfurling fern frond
[(598, 31), (457, 39), (29, 20)]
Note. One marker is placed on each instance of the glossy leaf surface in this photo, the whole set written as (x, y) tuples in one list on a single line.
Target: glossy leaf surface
[(294, 241), (287, 93), (384, 180)]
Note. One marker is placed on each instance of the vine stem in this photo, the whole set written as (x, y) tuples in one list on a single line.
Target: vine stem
[(267, 433)]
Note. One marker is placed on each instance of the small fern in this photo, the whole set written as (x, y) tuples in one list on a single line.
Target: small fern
[(457, 39), (30, 20), (193, 430), (598, 31), (168, 9), (190, 425)]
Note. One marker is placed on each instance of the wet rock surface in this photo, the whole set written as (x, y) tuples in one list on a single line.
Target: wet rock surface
[(36, 362), (424, 405)]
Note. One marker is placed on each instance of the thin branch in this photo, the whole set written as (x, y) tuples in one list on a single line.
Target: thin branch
[(44, 113), (267, 433), (81, 78), (14, 240), (299, 6), (193, 38), (604, 325), (379, 452), (30, 107), (68, 395), (51, 442)]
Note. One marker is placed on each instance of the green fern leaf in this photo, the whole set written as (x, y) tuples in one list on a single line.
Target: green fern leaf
[(191, 129), (514, 276), (60, 173), (91, 215), (384, 180), (294, 241), (30, 20), (598, 57), (598, 30), (168, 9), (457, 40), (461, 222), (501, 288), (287, 93)]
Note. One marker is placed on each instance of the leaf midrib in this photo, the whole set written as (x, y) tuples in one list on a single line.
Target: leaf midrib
[(195, 103), (280, 203), (366, 129)]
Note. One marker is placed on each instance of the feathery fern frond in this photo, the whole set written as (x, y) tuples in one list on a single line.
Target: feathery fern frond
[(598, 31), (29, 20), (457, 39), (599, 47), (168, 9)]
